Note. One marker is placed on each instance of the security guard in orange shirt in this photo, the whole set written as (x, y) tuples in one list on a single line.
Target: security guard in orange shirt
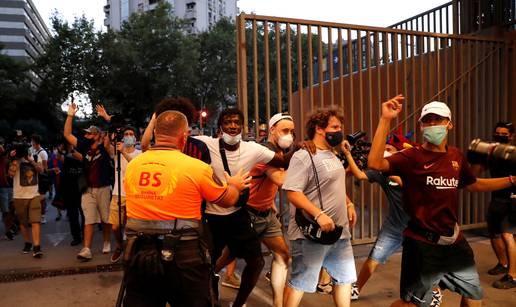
[(167, 259)]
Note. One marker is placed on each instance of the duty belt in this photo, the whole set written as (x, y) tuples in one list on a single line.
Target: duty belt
[(188, 228)]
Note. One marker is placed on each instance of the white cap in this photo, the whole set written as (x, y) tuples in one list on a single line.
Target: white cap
[(277, 117), (436, 107)]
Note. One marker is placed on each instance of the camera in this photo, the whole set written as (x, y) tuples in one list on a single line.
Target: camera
[(498, 155), (359, 150), (116, 127)]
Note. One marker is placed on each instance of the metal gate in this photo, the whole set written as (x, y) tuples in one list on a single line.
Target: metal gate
[(299, 65)]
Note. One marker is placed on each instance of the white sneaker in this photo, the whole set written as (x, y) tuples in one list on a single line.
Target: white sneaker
[(43, 219), (106, 249), (84, 254)]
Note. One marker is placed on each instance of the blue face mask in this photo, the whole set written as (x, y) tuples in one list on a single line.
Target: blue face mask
[(435, 134), (129, 140)]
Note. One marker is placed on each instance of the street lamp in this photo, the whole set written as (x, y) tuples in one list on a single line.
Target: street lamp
[(203, 117)]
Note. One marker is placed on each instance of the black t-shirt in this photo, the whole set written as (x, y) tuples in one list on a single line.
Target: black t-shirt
[(496, 172), (394, 195), (70, 173)]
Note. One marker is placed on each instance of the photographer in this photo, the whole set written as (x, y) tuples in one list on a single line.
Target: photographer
[(498, 224), (98, 171), (127, 153), (26, 198)]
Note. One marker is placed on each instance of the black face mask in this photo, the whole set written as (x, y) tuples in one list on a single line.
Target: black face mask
[(504, 139), (334, 138)]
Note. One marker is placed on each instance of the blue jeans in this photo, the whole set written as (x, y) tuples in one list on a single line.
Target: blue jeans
[(309, 257), (6, 196)]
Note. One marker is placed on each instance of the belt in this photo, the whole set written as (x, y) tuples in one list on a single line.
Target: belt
[(258, 212), (434, 237)]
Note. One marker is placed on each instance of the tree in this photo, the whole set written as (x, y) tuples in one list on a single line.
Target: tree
[(216, 68)]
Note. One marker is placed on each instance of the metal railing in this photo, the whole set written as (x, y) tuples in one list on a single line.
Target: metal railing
[(299, 65)]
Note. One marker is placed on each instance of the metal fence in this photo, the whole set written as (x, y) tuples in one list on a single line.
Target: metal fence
[(298, 65)]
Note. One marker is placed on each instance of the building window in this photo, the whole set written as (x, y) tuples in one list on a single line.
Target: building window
[(153, 2), (190, 6)]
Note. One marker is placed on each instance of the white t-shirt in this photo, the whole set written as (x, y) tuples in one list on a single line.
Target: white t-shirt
[(122, 170), (25, 182), (245, 157), (41, 153)]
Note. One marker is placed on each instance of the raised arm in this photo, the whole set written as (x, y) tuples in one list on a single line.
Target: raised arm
[(67, 132), (390, 110), (147, 134)]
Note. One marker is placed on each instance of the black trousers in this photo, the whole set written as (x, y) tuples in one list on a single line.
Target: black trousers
[(72, 200), (185, 280)]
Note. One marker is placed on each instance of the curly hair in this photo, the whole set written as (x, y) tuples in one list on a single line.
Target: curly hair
[(180, 104), (229, 112), (320, 118)]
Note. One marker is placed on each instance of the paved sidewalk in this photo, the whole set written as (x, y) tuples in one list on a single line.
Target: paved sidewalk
[(100, 289)]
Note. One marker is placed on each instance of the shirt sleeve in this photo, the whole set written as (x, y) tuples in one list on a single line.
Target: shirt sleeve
[(374, 176), (43, 155), (263, 154), (212, 189), (296, 177), (466, 176), (401, 162)]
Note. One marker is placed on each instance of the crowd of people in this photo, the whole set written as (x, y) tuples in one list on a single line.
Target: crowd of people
[(181, 208)]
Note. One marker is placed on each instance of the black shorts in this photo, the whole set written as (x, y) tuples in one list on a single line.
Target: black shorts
[(424, 266), (498, 217), (235, 231), (186, 281)]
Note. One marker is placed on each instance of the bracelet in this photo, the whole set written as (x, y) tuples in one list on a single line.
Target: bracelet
[(511, 181), (318, 215)]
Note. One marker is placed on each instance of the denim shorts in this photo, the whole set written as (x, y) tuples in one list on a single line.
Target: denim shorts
[(309, 257), (388, 242)]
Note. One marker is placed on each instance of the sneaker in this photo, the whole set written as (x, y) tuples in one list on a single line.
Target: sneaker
[(117, 254), (231, 281), (43, 219), (498, 269), (9, 235), (437, 298), (27, 247), (36, 252), (84, 254), (507, 282), (354, 292), (58, 217), (268, 276), (106, 248), (325, 289)]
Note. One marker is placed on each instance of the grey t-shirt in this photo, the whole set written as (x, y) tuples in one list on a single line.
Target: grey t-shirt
[(300, 177)]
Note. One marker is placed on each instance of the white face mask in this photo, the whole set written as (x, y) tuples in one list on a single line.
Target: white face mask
[(386, 154), (285, 141), (230, 139)]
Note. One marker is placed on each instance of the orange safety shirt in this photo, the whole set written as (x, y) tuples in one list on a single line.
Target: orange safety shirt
[(165, 184)]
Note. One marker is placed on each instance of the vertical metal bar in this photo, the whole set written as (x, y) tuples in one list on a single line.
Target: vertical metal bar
[(360, 81), (267, 70), (386, 61), (278, 65), (300, 76), (506, 79), (238, 60), (330, 64), (350, 78), (395, 63), (404, 69), (434, 21), (289, 69), (469, 119), (437, 65), (242, 101), (370, 120), (341, 71), (441, 21), (497, 85), (454, 75), (320, 62), (455, 18), (310, 70), (413, 85), (422, 70), (255, 78), (460, 102), (377, 54), (430, 68), (448, 20)]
